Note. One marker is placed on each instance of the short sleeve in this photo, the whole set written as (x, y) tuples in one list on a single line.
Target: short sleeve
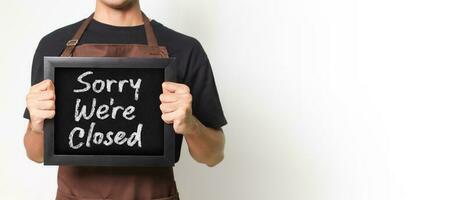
[(200, 79), (37, 70)]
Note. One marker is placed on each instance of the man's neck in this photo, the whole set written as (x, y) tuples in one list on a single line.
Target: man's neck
[(128, 16)]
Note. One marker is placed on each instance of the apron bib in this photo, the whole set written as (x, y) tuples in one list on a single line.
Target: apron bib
[(117, 183)]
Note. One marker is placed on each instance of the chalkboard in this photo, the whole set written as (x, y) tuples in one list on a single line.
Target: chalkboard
[(107, 112)]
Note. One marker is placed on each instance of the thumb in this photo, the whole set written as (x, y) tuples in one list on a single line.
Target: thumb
[(46, 85), (50, 85), (167, 87)]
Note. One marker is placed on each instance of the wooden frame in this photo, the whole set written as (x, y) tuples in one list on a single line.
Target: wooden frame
[(50, 158)]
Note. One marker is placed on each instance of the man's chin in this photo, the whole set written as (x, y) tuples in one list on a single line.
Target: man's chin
[(120, 5)]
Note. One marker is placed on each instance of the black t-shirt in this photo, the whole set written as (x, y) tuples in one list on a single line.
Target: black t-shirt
[(192, 65)]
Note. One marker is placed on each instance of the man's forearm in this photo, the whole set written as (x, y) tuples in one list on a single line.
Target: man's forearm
[(205, 144), (34, 144)]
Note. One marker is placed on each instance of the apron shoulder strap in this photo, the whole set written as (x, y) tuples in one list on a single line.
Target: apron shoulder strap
[(152, 43), (71, 44), (150, 36)]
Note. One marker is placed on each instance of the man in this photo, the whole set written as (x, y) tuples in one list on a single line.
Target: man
[(192, 106)]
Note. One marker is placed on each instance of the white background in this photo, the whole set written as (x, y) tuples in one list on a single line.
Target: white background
[(325, 99)]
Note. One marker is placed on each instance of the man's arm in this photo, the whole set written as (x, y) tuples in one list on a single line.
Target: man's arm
[(205, 144), (34, 144), (41, 105)]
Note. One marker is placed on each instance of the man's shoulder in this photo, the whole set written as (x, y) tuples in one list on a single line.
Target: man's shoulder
[(63, 33), (173, 39), (57, 39)]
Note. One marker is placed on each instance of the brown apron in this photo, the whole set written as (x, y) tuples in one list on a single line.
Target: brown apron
[(115, 182)]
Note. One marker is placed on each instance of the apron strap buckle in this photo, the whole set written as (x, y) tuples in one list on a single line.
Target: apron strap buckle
[(72, 43)]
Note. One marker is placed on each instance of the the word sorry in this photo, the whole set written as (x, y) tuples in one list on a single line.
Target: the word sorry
[(99, 86)]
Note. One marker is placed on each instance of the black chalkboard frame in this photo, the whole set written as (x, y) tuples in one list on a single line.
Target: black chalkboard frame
[(165, 160)]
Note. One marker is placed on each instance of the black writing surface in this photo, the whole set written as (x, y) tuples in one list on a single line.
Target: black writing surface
[(100, 98), (107, 112)]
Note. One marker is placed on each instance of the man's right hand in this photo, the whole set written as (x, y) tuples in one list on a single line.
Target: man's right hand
[(41, 104)]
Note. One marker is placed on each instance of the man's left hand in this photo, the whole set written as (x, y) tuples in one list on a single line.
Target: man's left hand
[(176, 101)]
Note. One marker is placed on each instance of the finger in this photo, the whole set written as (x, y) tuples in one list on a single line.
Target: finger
[(46, 95), (42, 114), (168, 107), (175, 87), (48, 114), (40, 96), (42, 86), (50, 85), (168, 98), (168, 118), (45, 105)]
